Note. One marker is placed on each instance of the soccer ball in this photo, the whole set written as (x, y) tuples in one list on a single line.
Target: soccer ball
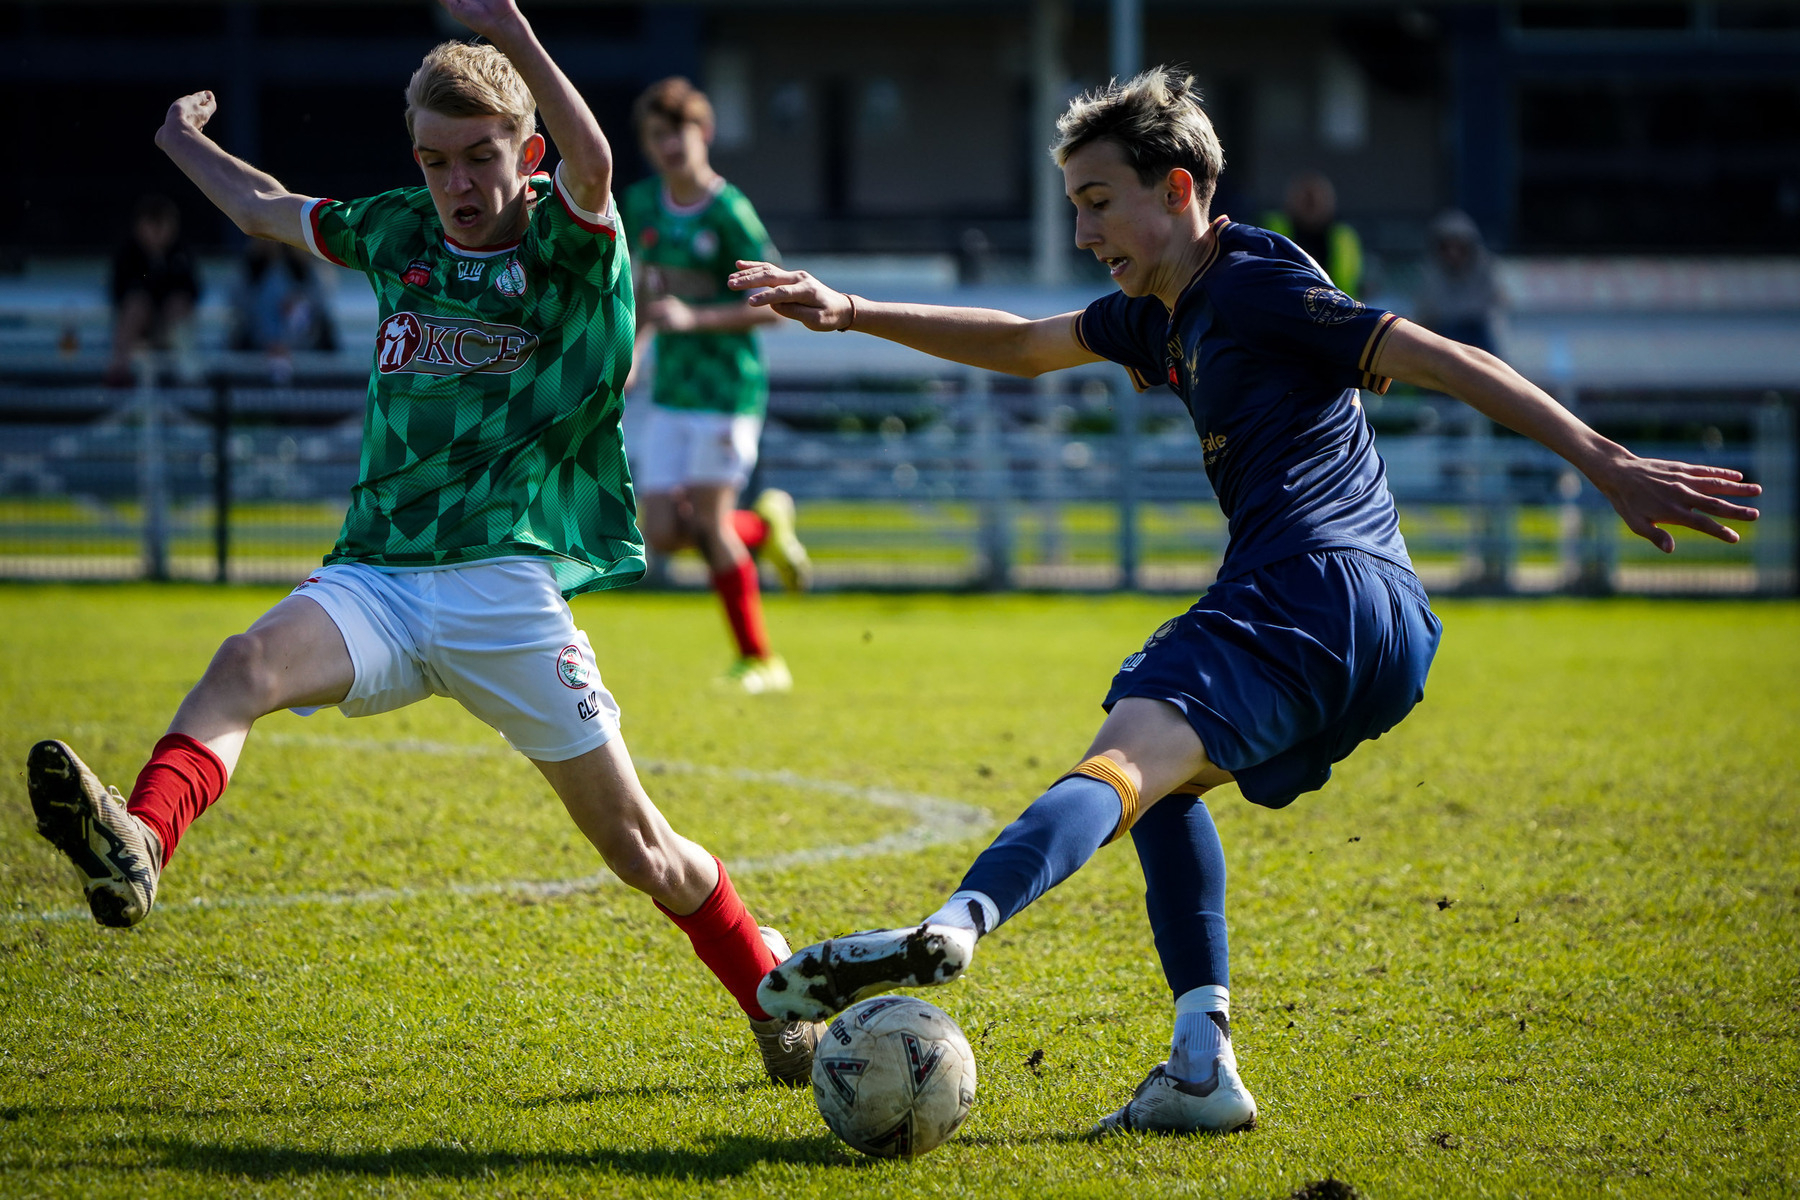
[(893, 1077)]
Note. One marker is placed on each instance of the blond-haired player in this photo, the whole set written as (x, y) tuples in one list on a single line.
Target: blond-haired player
[(493, 486), (1316, 636)]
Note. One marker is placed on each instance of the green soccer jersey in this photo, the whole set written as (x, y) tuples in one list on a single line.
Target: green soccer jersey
[(687, 253), (492, 427)]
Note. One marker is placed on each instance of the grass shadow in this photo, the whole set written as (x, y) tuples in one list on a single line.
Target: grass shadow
[(646, 1091), (722, 1158)]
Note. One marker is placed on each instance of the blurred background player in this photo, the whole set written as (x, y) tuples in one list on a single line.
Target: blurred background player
[(1459, 295), (1308, 218), (154, 290), (697, 445), (278, 307), (493, 487)]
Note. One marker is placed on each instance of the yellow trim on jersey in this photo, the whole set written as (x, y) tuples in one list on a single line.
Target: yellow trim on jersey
[(1110, 773)]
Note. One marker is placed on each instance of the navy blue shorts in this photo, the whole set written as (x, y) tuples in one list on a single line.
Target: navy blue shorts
[(1284, 669)]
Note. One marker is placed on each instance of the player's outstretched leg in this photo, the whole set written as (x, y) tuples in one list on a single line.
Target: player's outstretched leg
[(1198, 1089), (1143, 744), (292, 655), (601, 790)]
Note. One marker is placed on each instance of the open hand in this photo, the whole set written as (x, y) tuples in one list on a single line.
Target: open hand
[(486, 17), (1652, 492), (793, 294)]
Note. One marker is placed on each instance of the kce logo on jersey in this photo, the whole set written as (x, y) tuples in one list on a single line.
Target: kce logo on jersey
[(428, 345)]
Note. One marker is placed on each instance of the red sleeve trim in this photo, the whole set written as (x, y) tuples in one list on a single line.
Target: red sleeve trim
[(315, 241), (606, 223)]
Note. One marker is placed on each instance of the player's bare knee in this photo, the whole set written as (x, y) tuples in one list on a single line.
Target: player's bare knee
[(241, 672)]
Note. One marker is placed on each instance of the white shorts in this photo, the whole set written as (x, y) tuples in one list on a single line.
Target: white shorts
[(674, 448), (497, 637)]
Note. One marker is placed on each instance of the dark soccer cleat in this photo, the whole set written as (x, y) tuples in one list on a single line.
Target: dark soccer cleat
[(787, 1049), (830, 976), (786, 1046), (1164, 1104), (116, 855)]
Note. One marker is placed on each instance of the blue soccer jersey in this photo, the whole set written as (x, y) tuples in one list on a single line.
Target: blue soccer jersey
[(1268, 356)]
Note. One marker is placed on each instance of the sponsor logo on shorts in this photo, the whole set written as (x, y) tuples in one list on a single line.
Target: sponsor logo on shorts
[(1328, 306), (511, 279), (428, 345), (572, 669), (417, 273), (589, 707)]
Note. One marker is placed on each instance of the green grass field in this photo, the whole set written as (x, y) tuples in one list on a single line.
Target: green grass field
[(1544, 939)]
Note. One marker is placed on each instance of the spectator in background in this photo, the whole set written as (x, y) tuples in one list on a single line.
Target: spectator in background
[(1458, 296), (278, 306), (1309, 220), (154, 287)]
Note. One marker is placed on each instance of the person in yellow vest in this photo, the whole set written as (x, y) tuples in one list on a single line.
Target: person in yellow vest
[(1308, 218)]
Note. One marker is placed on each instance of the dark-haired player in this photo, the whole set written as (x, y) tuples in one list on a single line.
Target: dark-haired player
[(688, 230), (1316, 636), (492, 487)]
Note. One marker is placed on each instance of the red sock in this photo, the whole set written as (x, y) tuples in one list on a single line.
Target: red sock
[(752, 530), (180, 782), (742, 597), (726, 939)]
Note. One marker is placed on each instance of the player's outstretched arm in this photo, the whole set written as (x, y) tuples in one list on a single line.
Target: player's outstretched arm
[(254, 200), (980, 337), (587, 161), (1647, 492)]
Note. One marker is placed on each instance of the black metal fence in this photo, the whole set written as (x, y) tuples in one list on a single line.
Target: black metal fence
[(967, 481)]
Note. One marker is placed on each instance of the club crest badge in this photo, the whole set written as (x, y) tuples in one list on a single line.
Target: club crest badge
[(571, 668), (511, 280), (417, 273), (1328, 306)]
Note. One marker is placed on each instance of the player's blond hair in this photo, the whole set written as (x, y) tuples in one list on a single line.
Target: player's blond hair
[(1155, 118), (464, 79)]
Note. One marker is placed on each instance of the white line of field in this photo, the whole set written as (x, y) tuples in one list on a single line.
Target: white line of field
[(936, 822)]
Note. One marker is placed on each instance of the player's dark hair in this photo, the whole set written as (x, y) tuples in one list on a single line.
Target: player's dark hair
[(1155, 118), (676, 100)]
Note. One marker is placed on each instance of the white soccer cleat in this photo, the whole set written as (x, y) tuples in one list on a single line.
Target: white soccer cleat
[(1164, 1104), (830, 976), (759, 676), (783, 547), (117, 856)]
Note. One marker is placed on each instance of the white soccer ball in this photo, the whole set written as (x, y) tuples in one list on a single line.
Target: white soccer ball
[(893, 1076)]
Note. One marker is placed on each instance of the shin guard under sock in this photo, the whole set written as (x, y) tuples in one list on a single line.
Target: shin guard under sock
[(181, 780), (727, 940), (1060, 831)]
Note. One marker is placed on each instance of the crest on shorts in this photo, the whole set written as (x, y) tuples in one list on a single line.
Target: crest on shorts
[(1328, 306), (571, 668), (511, 280)]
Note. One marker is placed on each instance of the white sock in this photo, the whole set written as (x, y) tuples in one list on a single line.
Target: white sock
[(973, 911), (1202, 1033)]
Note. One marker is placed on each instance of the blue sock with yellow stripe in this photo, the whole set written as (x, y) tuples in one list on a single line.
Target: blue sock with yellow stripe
[(1081, 812)]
